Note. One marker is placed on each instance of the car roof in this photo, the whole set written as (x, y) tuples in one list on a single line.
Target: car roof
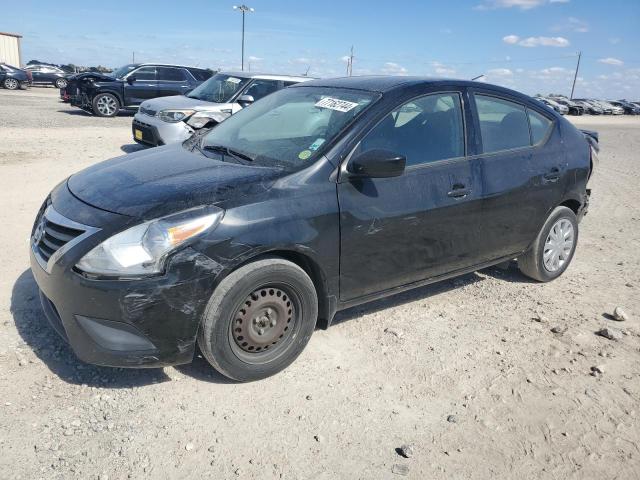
[(387, 83), (266, 76), (136, 65)]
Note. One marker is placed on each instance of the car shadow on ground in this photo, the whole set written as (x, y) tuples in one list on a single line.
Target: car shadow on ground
[(508, 272), (83, 113), (132, 147)]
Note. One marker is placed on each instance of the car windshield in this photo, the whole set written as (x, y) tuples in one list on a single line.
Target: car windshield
[(288, 129), (219, 88), (122, 71)]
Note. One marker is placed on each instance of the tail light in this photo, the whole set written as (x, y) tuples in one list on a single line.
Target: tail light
[(29, 75)]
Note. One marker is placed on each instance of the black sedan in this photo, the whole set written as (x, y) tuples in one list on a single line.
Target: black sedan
[(13, 78), (321, 196), (48, 75)]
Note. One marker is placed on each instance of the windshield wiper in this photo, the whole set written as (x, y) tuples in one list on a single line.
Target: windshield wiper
[(228, 151)]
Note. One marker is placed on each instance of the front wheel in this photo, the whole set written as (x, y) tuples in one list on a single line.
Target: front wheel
[(61, 83), (259, 319), (106, 105), (552, 251), (11, 84)]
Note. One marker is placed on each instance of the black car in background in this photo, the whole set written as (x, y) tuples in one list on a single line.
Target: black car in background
[(321, 196), (48, 75), (13, 78), (128, 86)]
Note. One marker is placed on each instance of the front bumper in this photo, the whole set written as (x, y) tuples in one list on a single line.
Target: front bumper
[(149, 322), (155, 132)]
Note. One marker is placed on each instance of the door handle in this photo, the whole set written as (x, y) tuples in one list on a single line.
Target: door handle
[(552, 175), (459, 191)]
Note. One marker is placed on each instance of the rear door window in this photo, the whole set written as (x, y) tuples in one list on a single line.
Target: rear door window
[(171, 74), (503, 124), (540, 126)]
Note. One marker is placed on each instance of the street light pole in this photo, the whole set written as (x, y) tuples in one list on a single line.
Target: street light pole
[(244, 9)]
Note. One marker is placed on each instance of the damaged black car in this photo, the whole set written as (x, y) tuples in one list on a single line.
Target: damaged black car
[(319, 197), (128, 86)]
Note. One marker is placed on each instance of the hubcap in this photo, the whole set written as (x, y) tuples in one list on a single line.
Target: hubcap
[(106, 105), (265, 318), (559, 245), (11, 83)]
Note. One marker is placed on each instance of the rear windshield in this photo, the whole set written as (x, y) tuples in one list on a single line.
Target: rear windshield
[(219, 89)]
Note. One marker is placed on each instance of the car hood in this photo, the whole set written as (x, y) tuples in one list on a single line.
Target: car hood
[(182, 101), (163, 180)]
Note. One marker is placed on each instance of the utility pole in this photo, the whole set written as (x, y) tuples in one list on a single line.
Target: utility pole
[(244, 9), (133, 57), (575, 77), (350, 64)]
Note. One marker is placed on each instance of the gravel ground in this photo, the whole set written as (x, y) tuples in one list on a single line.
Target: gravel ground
[(485, 376)]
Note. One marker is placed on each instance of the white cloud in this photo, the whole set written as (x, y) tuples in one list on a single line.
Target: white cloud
[(578, 25), (611, 61), (531, 42), (500, 72), (521, 4), (300, 61), (615, 40), (442, 70), (391, 68), (255, 59), (345, 59)]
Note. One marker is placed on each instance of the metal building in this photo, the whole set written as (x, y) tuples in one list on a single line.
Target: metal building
[(10, 49)]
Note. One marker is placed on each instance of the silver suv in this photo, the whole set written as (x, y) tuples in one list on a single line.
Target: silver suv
[(166, 120)]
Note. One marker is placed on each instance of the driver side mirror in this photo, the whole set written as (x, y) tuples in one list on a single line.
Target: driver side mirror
[(245, 100), (377, 164), (131, 79)]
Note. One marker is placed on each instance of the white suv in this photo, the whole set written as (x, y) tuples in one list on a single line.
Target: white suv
[(166, 120)]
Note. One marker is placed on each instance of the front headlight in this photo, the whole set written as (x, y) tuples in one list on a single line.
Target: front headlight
[(142, 250), (201, 119), (173, 116)]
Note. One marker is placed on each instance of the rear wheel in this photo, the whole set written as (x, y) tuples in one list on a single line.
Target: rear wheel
[(106, 105), (61, 83), (11, 84), (552, 251), (259, 319)]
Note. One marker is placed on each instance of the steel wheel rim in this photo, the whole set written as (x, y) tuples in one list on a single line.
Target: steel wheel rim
[(558, 246), (106, 105), (11, 83), (278, 325), (61, 83)]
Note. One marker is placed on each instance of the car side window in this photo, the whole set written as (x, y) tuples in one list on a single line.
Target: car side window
[(288, 84), (145, 73), (540, 126), (503, 124), (170, 74), (261, 88), (424, 130)]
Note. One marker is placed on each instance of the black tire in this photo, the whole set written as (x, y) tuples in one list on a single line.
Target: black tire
[(105, 105), (24, 86), (11, 84), (61, 83), (532, 264), (270, 280)]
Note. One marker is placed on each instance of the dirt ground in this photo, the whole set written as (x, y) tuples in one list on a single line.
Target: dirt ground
[(468, 372)]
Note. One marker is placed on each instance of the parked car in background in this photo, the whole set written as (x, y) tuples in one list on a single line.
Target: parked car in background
[(321, 196), (561, 109), (574, 108), (589, 108), (48, 75), (127, 87), (628, 107), (165, 120), (615, 109), (13, 78)]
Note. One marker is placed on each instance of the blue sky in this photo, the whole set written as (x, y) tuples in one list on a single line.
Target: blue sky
[(529, 45)]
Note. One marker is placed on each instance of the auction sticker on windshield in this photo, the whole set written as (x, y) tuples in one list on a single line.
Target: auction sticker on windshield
[(336, 104), (233, 80)]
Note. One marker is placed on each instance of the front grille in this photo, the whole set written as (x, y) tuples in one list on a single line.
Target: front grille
[(54, 234), (53, 237), (148, 111)]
